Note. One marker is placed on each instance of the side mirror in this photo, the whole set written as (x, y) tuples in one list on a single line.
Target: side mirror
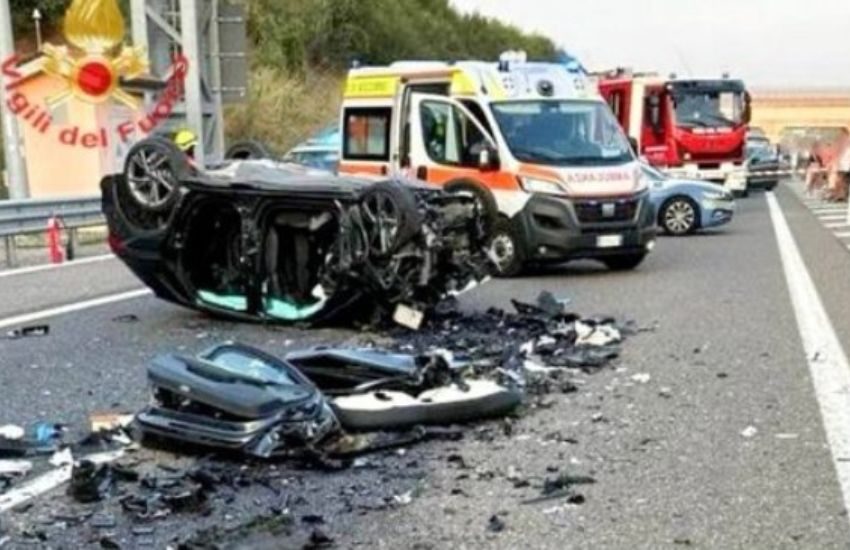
[(488, 158), (633, 143), (655, 113), (748, 108)]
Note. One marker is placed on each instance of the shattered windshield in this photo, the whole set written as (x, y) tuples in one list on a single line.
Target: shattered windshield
[(709, 108), (249, 367), (562, 133)]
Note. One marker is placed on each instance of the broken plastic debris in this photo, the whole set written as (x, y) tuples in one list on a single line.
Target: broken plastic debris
[(62, 458), (128, 318), (408, 317), (495, 524), (109, 421), (15, 467), (404, 498), (11, 431), (749, 431), (27, 332), (40, 438), (642, 377)]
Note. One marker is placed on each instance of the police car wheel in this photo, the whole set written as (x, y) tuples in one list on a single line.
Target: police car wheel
[(153, 170), (679, 216)]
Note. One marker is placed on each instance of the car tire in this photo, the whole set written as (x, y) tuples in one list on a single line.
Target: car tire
[(248, 149), (389, 203), (506, 249), (153, 171), (485, 199), (626, 262), (678, 216)]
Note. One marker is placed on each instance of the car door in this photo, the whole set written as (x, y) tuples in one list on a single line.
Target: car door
[(446, 142)]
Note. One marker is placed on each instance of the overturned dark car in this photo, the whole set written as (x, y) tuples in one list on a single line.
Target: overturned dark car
[(264, 241)]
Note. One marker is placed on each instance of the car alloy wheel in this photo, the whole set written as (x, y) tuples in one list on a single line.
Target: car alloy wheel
[(150, 177), (679, 217)]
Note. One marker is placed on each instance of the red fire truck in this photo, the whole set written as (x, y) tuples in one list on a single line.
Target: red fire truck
[(688, 128)]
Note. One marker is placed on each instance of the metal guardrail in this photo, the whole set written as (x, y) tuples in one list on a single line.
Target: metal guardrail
[(20, 217)]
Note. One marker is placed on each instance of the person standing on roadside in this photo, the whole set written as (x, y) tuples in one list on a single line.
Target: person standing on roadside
[(843, 165), (814, 169)]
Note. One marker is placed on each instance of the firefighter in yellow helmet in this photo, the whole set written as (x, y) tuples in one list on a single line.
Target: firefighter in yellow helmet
[(186, 140)]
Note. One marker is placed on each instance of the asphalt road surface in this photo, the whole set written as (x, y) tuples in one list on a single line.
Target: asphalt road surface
[(723, 445)]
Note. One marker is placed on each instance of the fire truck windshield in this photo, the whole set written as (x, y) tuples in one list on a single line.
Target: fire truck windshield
[(562, 133), (705, 108)]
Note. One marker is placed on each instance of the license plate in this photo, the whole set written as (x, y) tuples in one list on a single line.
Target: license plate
[(609, 241)]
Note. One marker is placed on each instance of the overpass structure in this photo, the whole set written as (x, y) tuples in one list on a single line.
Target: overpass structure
[(778, 109)]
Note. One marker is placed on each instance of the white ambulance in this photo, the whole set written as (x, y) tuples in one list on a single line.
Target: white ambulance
[(534, 142)]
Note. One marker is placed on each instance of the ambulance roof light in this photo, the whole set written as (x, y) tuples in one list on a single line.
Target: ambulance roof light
[(506, 59)]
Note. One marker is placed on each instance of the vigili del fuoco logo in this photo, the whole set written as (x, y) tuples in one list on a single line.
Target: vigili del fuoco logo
[(94, 67)]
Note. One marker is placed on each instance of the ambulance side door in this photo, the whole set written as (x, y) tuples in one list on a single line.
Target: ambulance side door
[(447, 142)]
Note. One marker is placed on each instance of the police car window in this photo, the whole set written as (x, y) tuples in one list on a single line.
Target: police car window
[(367, 134), (449, 135)]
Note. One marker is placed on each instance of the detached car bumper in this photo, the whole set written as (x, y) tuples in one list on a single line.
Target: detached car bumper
[(557, 228)]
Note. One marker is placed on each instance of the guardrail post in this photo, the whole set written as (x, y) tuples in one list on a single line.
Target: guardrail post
[(73, 244), (11, 251)]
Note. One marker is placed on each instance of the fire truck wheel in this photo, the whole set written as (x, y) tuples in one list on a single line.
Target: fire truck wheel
[(679, 216), (506, 249), (248, 149), (484, 199), (390, 217), (153, 170), (625, 262)]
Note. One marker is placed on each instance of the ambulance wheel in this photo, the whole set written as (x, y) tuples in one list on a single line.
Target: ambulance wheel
[(485, 202), (153, 170), (626, 262), (506, 249)]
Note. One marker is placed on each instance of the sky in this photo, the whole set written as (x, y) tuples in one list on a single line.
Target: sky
[(768, 43)]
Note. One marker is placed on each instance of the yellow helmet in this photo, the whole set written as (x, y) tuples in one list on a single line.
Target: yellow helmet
[(185, 139)]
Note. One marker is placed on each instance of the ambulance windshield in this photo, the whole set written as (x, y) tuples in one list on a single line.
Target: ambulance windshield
[(562, 133)]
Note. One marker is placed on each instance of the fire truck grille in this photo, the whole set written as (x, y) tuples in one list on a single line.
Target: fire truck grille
[(601, 211)]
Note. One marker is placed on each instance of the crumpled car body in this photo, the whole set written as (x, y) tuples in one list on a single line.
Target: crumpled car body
[(377, 390), (233, 397), (256, 240)]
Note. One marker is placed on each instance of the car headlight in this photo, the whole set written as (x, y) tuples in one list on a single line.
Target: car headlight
[(718, 195), (534, 185)]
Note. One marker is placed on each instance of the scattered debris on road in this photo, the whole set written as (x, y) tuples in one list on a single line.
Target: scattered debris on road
[(34, 331), (327, 409)]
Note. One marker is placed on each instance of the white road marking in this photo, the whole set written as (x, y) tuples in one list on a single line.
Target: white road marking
[(49, 267), (49, 481), (836, 225), (842, 234), (826, 359), (831, 217), (827, 209), (71, 308)]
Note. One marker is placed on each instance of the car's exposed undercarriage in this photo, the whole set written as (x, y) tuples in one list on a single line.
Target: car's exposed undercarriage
[(265, 241)]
